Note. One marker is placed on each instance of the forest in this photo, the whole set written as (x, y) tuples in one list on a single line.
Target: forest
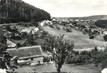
[(13, 11)]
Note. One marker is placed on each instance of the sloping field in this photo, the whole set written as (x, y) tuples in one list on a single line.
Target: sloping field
[(81, 41)]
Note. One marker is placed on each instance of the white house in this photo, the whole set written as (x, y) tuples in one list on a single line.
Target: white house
[(105, 32), (104, 70), (10, 43), (3, 71), (26, 30), (46, 22), (35, 30)]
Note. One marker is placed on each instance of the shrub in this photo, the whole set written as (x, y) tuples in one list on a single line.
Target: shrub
[(101, 23), (18, 45), (105, 37), (57, 27), (91, 37)]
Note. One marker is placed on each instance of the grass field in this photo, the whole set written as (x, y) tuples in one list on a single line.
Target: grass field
[(81, 41), (69, 68)]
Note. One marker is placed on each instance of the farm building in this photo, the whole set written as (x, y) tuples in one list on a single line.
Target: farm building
[(104, 70), (46, 22), (25, 30), (105, 32), (35, 30), (29, 52), (10, 43), (29, 30)]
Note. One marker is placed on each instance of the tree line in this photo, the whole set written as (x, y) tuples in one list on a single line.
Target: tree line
[(19, 11)]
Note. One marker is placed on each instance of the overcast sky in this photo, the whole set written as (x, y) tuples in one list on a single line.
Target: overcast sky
[(71, 8)]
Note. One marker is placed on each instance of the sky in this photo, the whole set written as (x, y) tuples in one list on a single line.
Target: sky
[(71, 8)]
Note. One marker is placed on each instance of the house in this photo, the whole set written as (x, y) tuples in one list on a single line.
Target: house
[(105, 32), (10, 43), (45, 22), (30, 30), (35, 30), (3, 71), (104, 70), (29, 52), (25, 30)]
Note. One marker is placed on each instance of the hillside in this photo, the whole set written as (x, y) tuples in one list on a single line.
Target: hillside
[(94, 17), (19, 11), (80, 41)]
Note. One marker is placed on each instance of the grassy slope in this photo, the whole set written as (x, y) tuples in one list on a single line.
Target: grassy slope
[(66, 68), (81, 41)]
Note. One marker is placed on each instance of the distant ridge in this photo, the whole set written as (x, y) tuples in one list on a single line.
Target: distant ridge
[(94, 17)]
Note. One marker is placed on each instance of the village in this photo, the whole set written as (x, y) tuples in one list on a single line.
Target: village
[(34, 41), (27, 43)]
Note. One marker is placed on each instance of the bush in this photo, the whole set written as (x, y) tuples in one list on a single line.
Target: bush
[(76, 59), (57, 27), (105, 37), (51, 26), (79, 58), (91, 37), (18, 45), (98, 58), (8, 27), (68, 29), (101, 23), (24, 34)]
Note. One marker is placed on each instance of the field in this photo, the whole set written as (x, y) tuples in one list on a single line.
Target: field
[(70, 68), (81, 41)]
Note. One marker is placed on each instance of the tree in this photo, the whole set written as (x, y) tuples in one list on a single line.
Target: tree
[(8, 28), (3, 42), (31, 40), (61, 49), (101, 23), (105, 37), (19, 11), (3, 45)]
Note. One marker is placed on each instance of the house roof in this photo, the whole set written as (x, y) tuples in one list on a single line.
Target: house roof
[(22, 41), (10, 43), (26, 52)]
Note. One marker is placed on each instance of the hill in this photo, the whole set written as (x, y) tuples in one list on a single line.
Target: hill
[(94, 17), (81, 41), (19, 11)]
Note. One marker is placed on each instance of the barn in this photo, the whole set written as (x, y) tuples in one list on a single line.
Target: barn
[(29, 52)]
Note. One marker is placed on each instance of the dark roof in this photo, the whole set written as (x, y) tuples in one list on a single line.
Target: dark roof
[(22, 41), (26, 52), (40, 41)]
